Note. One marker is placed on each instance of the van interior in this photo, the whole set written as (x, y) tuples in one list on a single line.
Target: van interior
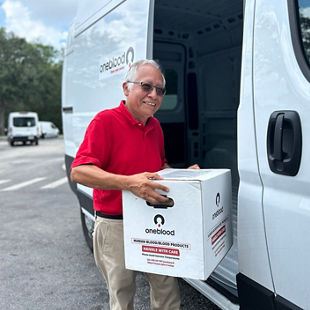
[(198, 44)]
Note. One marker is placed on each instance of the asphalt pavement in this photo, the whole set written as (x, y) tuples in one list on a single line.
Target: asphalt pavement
[(44, 260)]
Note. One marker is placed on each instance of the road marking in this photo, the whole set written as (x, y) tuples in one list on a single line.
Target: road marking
[(4, 181), (23, 184), (56, 183)]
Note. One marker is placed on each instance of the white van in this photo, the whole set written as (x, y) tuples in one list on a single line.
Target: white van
[(238, 97), (48, 130), (23, 127)]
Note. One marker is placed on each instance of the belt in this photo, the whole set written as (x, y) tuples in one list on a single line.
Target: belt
[(109, 216)]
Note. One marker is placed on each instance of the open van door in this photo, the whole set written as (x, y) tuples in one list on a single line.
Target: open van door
[(282, 92)]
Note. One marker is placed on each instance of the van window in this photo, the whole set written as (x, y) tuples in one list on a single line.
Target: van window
[(170, 100), (304, 24), (24, 122)]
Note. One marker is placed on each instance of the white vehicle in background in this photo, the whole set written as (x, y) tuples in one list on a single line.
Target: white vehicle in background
[(23, 127), (48, 130), (238, 97)]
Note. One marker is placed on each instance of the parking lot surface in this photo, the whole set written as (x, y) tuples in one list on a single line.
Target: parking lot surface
[(44, 260)]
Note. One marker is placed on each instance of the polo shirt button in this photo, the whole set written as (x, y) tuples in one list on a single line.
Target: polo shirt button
[(140, 124)]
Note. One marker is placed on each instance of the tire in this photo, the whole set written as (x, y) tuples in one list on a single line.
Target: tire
[(88, 228), (36, 141), (12, 143)]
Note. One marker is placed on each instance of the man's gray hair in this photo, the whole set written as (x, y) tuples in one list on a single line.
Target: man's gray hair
[(132, 72)]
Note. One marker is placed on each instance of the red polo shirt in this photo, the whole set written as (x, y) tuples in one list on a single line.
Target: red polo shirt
[(117, 143)]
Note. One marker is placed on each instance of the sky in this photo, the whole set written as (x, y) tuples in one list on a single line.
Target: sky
[(305, 7), (41, 21), (48, 21)]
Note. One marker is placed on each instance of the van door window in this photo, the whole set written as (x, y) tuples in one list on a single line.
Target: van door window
[(24, 122), (304, 24)]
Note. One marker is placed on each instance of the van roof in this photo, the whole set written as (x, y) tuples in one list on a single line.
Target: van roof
[(23, 113)]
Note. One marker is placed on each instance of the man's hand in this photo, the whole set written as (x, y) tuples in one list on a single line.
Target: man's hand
[(194, 167), (142, 186)]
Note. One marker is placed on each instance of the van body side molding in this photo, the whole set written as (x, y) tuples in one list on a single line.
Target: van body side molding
[(68, 163)]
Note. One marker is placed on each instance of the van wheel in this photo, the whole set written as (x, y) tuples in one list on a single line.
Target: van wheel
[(37, 141), (88, 228)]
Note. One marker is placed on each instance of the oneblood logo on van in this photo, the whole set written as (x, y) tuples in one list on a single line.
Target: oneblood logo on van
[(117, 63)]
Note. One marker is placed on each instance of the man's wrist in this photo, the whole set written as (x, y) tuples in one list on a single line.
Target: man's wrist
[(125, 182)]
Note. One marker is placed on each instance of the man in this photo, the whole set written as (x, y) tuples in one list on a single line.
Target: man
[(122, 149)]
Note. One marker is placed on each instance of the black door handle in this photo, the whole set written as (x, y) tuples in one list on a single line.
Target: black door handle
[(284, 142), (278, 134)]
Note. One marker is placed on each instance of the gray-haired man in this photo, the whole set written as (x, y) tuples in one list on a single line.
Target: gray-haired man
[(122, 149)]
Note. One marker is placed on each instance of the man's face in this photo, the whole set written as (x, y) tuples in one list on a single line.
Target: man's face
[(142, 104)]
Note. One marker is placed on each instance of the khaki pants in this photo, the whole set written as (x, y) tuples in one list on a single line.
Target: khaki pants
[(109, 257)]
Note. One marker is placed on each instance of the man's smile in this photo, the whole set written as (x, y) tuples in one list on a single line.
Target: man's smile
[(150, 103)]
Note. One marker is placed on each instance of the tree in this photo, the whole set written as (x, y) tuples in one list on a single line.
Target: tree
[(305, 33), (30, 79)]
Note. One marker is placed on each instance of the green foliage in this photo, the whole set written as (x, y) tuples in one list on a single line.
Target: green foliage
[(305, 34), (30, 79)]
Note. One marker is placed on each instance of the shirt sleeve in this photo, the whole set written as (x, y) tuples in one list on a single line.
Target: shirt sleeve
[(95, 146)]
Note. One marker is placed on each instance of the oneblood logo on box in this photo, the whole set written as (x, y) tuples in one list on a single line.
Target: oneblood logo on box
[(220, 210), (149, 250), (159, 221)]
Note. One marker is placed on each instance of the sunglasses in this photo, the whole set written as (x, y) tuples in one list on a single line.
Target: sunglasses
[(148, 88)]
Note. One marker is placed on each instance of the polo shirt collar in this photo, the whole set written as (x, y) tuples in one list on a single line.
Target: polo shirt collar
[(128, 115)]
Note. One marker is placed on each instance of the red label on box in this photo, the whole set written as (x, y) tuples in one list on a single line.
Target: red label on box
[(159, 250), (218, 234)]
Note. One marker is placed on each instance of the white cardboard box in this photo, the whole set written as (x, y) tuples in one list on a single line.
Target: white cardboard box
[(187, 240)]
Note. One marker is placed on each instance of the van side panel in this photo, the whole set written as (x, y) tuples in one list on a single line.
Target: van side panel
[(102, 55), (105, 39), (252, 247)]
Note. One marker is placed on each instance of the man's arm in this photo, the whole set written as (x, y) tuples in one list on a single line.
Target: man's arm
[(139, 184)]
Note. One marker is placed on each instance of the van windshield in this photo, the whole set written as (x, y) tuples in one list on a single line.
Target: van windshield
[(24, 122)]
